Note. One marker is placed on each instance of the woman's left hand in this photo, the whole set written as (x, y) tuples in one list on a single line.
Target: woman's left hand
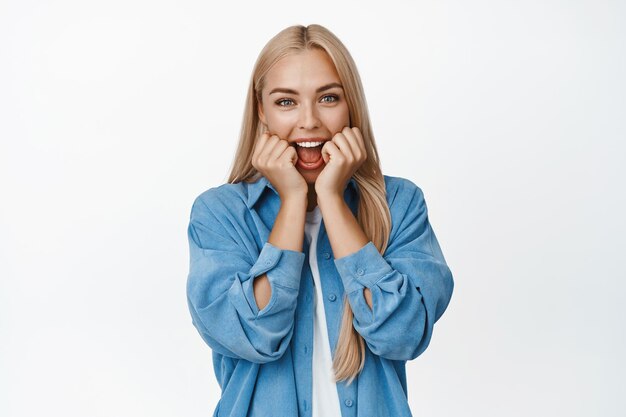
[(343, 155)]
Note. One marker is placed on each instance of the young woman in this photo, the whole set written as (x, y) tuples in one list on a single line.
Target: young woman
[(307, 220)]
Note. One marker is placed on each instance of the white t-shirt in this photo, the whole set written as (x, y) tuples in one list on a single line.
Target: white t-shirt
[(325, 396)]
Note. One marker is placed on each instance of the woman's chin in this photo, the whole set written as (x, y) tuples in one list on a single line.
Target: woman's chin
[(310, 175)]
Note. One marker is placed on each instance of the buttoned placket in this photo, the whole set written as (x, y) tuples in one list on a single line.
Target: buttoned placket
[(332, 291), (333, 306)]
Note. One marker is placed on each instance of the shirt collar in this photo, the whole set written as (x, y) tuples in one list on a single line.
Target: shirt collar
[(256, 189)]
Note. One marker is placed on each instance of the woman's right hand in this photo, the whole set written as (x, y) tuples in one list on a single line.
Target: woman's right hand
[(276, 160)]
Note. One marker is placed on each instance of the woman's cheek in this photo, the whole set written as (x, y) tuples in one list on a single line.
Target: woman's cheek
[(285, 123), (339, 119)]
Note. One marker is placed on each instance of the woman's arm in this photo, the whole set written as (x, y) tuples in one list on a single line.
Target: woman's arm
[(344, 232), (224, 261), (287, 233), (411, 285), (275, 159)]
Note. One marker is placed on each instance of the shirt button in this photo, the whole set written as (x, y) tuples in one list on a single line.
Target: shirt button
[(360, 271), (348, 402), (332, 297), (326, 255), (306, 349), (268, 262)]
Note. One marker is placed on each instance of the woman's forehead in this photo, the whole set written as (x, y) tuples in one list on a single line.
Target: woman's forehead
[(309, 69)]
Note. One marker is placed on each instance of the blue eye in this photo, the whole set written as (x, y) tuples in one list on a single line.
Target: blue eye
[(283, 100)]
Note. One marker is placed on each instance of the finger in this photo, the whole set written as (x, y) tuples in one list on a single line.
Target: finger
[(278, 150), (360, 153), (259, 144), (290, 154), (330, 152), (343, 143), (266, 152), (353, 140)]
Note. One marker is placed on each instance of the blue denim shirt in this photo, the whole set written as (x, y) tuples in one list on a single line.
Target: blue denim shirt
[(263, 358)]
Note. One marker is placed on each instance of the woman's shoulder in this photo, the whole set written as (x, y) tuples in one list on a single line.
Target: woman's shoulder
[(401, 190), (224, 191), (222, 197)]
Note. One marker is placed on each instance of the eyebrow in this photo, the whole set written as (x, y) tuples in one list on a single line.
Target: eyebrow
[(294, 92)]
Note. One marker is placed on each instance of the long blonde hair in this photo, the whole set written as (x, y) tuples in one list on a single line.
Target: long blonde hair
[(373, 213)]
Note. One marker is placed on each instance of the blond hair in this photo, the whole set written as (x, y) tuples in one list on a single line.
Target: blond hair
[(373, 212)]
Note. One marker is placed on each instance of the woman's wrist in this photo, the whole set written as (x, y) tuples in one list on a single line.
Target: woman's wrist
[(288, 229), (294, 199), (329, 198)]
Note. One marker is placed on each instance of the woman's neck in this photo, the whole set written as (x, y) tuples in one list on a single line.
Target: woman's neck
[(312, 198)]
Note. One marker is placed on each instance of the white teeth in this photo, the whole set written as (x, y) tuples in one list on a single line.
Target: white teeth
[(309, 144)]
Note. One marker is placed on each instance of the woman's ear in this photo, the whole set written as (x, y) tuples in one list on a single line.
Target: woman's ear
[(261, 114)]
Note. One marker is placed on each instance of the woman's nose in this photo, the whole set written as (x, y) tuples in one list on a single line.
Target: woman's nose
[(309, 119)]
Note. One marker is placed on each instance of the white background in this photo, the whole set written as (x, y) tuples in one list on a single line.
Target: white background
[(115, 115)]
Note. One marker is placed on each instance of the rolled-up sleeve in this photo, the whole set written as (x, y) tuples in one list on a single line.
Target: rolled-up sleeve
[(220, 291), (411, 284)]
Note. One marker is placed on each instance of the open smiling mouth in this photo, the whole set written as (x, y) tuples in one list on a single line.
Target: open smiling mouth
[(309, 154)]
